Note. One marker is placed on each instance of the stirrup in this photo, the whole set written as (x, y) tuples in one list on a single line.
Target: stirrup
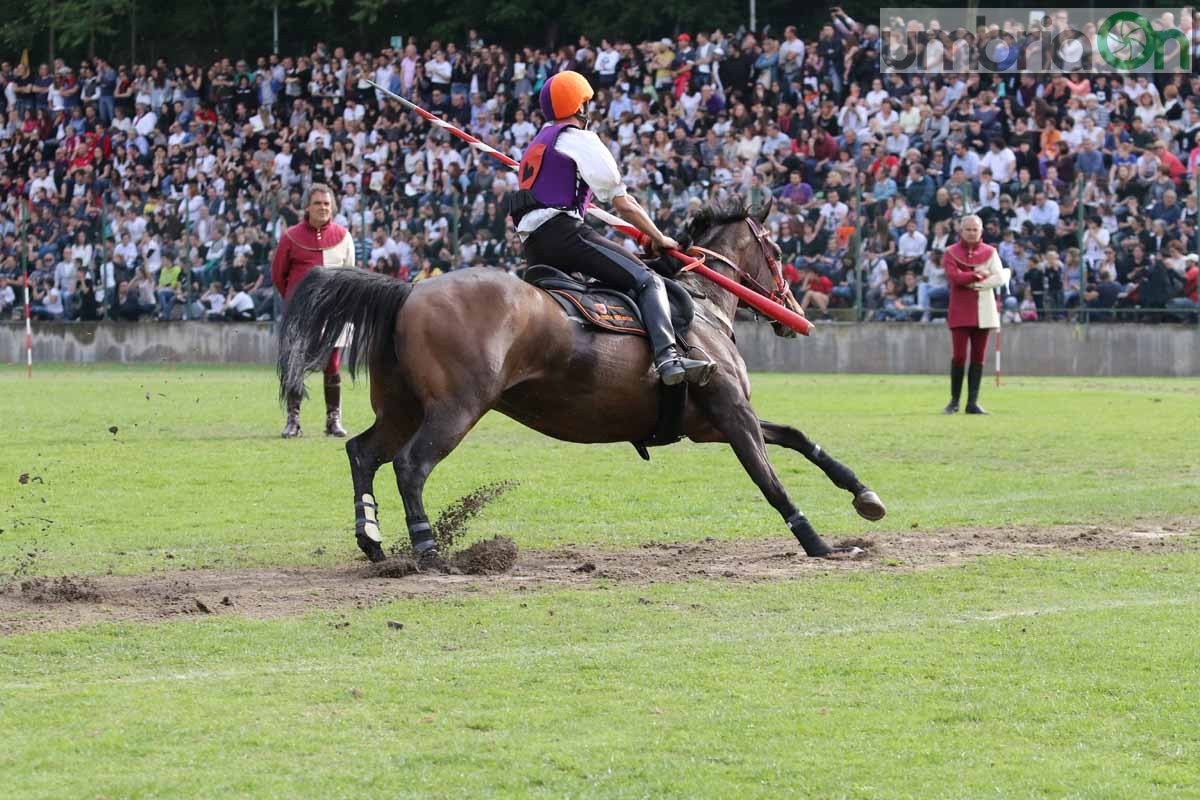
[(674, 369), (671, 371), (697, 371)]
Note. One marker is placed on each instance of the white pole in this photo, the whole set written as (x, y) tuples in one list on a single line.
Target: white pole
[(753, 16), (28, 333), (275, 28)]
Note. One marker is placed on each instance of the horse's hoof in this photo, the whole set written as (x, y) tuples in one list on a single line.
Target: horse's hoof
[(431, 561), (869, 506), (371, 548), (845, 554)]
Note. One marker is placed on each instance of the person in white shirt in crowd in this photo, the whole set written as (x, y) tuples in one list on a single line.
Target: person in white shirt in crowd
[(933, 287), (606, 64), (1044, 211), (213, 300), (966, 158), (854, 117), (145, 123), (1095, 242), (1001, 160), (81, 251), (64, 274), (876, 96), (988, 195), (833, 212), (239, 306), (791, 52), (910, 249), (43, 181), (127, 249), (521, 131), (439, 71), (8, 298)]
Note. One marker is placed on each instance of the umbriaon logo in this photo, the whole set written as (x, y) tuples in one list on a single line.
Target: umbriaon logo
[(1127, 40), (1019, 41)]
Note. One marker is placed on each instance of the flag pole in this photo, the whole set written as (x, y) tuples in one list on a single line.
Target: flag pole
[(998, 332), (28, 333)]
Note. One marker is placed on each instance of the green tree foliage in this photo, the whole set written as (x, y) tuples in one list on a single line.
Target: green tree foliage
[(200, 30)]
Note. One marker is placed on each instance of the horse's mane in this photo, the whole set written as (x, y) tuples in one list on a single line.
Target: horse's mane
[(719, 212)]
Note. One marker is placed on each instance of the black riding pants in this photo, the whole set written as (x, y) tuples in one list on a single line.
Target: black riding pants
[(570, 245)]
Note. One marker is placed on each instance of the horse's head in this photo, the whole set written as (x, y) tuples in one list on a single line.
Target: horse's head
[(737, 233)]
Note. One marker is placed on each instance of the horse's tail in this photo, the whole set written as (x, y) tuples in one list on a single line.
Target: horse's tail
[(323, 304)]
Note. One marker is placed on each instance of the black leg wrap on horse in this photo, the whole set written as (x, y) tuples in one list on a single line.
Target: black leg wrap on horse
[(812, 543), (420, 532), (842, 476)]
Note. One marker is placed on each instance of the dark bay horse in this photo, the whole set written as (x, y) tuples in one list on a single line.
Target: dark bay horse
[(443, 352)]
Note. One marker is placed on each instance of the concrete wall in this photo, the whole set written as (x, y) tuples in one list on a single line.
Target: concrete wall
[(1031, 349), (1037, 349)]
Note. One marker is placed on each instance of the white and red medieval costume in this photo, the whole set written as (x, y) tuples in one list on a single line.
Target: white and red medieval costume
[(973, 272), (301, 248)]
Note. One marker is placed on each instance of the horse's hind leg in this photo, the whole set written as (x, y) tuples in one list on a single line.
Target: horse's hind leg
[(440, 431), (367, 452), (866, 502)]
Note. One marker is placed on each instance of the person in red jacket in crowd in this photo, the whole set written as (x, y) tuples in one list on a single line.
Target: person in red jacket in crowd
[(973, 271), (315, 242)]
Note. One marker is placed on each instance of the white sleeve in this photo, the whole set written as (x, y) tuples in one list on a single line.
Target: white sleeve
[(998, 274), (595, 162)]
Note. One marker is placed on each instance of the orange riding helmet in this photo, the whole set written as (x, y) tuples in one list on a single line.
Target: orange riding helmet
[(564, 94)]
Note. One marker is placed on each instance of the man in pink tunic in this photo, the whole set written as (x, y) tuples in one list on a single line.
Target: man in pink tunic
[(315, 242), (973, 271)]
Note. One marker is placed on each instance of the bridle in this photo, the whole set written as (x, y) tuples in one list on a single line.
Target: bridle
[(782, 292)]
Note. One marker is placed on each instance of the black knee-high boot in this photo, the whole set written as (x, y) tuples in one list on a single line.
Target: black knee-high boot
[(956, 380), (292, 429), (333, 406), (672, 368), (974, 378)]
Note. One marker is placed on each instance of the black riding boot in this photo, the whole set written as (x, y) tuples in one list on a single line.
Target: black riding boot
[(656, 313), (974, 378), (292, 428), (956, 379), (333, 406)]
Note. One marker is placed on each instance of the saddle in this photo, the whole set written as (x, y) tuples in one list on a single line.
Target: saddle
[(597, 306)]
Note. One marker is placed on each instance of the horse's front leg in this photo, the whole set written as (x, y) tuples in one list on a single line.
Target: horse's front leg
[(866, 502), (730, 413)]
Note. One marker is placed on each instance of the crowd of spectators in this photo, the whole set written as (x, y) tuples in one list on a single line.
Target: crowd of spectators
[(158, 191)]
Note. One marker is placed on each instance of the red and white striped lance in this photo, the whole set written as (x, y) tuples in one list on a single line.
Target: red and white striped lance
[(28, 333), (441, 123)]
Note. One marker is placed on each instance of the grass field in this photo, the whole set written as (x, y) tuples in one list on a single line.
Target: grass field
[(1059, 675)]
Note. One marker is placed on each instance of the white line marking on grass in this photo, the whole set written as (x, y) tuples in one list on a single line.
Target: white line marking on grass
[(460, 657)]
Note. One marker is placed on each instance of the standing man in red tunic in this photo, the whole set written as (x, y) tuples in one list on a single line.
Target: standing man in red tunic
[(973, 271), (315, 242)]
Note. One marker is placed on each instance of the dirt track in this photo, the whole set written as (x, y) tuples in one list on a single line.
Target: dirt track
[(38, 604)]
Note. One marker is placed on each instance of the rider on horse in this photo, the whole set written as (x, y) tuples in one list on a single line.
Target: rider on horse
[(564, 166)]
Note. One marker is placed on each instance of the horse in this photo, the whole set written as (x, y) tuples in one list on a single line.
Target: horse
[(443, 352)]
